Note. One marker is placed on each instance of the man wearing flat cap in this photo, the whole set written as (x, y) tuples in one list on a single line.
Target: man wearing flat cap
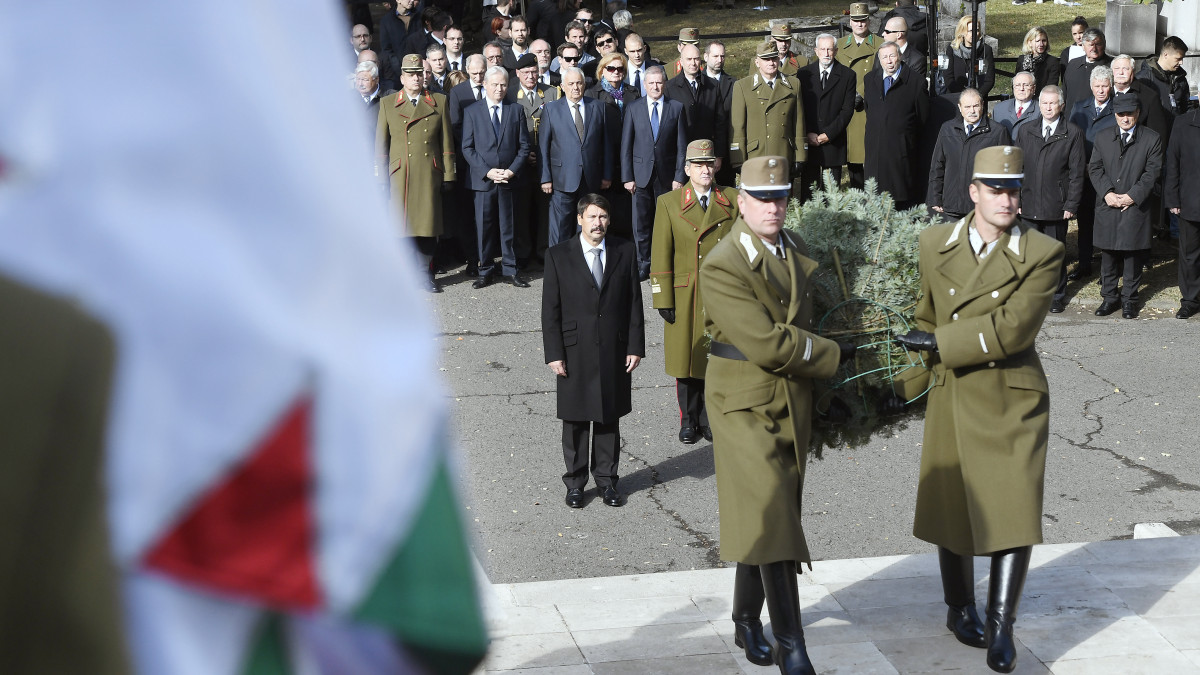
[(767, 114), (1125, 166), (763, 357), (986, 283), (688, 223)]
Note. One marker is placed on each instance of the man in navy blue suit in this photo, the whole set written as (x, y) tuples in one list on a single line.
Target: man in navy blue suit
[(653, 141), (577, 158), (496, 144)]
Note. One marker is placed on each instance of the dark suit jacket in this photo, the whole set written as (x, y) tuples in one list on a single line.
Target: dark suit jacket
[(703, 113), (417, 41), (460, 96), (644, 158), (571, 164), (485, 152), (393, 35), (1076, 77), (893, 131), (438, 88), (1005, 113), (917, 26), (1054, 170), (592, 329), (1133, 170), (828, 111), (1181, 182), (1084, 116), (510, 59), (725, 87)]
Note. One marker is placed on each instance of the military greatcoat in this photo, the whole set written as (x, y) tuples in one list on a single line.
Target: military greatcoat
[(984, 454), (416, 145), (684, 234), (766, 120), (861, 59), (760, 409)]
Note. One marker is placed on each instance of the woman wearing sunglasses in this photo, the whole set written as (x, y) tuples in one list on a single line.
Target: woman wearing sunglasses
[(616, 94)]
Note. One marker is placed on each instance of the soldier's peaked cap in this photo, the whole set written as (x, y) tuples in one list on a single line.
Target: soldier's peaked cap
[(412, 64), (766, 178), (701, 151), (1001, 166), (781, 31), (860, 11), (689, 35)]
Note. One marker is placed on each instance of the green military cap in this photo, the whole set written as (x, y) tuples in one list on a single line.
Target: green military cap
[(412, 64), (689, 35), (860, 11), (767, 50), (766, 178), (701, 151), (781, 31), (1000, 166)]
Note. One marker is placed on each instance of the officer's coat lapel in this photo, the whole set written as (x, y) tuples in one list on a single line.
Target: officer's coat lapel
[(425, 107), (800, 267), (719, 208), (969, 279)]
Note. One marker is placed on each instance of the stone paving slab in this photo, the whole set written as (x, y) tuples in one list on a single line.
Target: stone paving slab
[(1127, 606)]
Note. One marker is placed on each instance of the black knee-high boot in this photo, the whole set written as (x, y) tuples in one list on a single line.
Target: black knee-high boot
[(783, 604), (958, 587), (747, 606), (1004, 593)]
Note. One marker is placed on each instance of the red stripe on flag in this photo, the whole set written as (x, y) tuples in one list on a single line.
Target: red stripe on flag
[(253, 533)]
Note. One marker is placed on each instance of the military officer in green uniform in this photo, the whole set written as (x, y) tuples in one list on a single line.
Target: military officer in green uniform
[(533, 205), (767, 114), (790, 62), (986, 283), (414, 146), (758, 312), (688, 223), (857, 52)]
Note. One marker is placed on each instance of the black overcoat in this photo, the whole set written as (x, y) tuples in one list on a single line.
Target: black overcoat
[(893, 130), (1181, 186), (1133, 170), (1054, 170), (704, 113), (592, 329), (828, 111), (954, 160)]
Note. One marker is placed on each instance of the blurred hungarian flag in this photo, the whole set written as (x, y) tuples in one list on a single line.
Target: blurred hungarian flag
[(279, 482)]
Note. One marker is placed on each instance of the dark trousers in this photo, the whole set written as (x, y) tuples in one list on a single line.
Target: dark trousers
[(464, 227), (1058, 230), (858, 175), (605, 439), (1189, 263), (1086, 219), (532, 207), (495, 213), (563, 223), (690, 392), (1125, 266), (813, 174), (644, 199)]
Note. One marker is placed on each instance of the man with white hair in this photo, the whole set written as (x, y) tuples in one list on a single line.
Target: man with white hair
[(1152, 114), (827, 89), (1021, 108), (366, 82)]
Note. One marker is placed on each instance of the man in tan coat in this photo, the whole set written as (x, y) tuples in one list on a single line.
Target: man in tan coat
[(767, 114), (758, 310), (857, 52), (414, 145), (688, 223), (986, 283)]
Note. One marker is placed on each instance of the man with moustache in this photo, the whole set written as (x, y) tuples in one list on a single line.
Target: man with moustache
[(957, 142), (827, 88), (856, 51)]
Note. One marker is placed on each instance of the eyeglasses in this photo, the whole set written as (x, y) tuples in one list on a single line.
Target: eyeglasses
[(364, 35), (584, 20), (601, 43), (568, 59), (886, 32), (614, 69)]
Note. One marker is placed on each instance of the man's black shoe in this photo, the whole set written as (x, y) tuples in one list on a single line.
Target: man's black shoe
[(482, 282), (1185, 313), (472, 270), (1080, 272), (688, 435), (706, 432), (1107, 308), (575, 498), (517, 281), (610, 495), (1057, 306), (1129, 310)]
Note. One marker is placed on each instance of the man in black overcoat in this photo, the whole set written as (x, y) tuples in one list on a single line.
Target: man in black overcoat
[(897, 105), (704, 112), (593, 336), (827, 88), (1181, 196)]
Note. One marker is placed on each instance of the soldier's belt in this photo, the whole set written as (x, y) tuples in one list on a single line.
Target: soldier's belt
[(725, 351)]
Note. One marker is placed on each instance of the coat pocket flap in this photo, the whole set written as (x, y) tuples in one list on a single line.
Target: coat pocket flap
[(750, 397), (751, 146), (570, 325), (1024, 378), (683, 280)]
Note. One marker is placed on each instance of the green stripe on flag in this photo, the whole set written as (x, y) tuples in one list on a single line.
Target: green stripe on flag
[(427, 592), (268, 654)]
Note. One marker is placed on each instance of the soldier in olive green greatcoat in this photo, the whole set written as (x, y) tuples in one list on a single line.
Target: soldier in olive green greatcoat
[(790, 62), (688, 223), (986, 283), (758, 309), (767, 114), (414, 146), (857, 52)]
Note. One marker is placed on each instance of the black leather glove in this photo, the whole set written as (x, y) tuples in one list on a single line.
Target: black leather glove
[(859, 103), (668, 315), (797, 167), (918, 340), (838, 412), (848, 349), (891, 406)]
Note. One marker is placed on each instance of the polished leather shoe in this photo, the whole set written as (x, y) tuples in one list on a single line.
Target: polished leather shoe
[(1185, 313), (688, 435), (1129, 310), (517, 281), (471, 271), (432, 286), (610, 495), (1107, 308), (706, 432), (1079, 273), (575, 498), (482, 282), (1057, 306)]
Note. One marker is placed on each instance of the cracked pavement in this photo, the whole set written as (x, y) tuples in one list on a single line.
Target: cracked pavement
[(1124, 398)]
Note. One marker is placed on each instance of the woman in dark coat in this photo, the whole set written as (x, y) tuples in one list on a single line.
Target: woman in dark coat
[(954, 68), (611, 89), (1035, 58)]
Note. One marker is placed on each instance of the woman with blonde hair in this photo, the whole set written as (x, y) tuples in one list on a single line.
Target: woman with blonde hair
[(617, 94), (1035, 58), (954, 68)]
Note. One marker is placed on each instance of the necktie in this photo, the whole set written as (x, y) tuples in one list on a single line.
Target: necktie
[(1020, 109), (454, 65), (578, 120), (970, 128), (704, 203), (1124, 138), (654, 120), (496, 120), (887, 84), (693, 89), (597, 267), (824, 78), (478, 92), (1046, 134), (779, 250), (771, 84), (414, 102), (637, 80)]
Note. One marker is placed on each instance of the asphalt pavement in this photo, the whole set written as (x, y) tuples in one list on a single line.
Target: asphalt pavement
[(1124, 396)]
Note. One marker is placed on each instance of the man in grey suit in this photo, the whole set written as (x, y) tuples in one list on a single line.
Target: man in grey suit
[(577, 159), (653, 141), (1021, 108), (496, 145)]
